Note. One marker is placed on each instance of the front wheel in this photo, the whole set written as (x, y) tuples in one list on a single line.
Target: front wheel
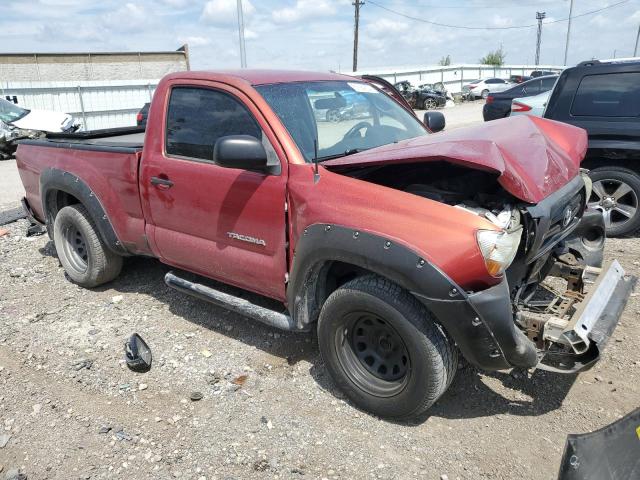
[(615, 193), (383, 348), (485, 94), (85, 258)]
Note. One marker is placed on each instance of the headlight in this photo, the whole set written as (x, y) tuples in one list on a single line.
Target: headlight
[(498, 248)]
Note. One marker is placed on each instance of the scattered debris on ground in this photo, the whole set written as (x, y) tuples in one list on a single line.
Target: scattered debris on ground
[(266, 408)]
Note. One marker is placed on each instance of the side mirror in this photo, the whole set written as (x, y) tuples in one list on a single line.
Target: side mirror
[(240, 151), (434, 121)]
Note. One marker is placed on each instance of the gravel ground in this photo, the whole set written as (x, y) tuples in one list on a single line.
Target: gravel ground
[(69, 407)]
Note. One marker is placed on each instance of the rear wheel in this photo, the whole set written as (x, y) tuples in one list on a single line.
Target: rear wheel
[(85, 258), (383, 348), (615, 193), (430, 104)]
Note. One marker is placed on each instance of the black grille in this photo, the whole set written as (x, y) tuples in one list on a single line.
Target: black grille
[(555, 218)]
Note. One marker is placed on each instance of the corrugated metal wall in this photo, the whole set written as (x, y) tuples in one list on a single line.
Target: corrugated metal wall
[(94, 104)]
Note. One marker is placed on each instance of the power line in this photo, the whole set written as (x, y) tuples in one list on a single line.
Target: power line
[(511, 27)]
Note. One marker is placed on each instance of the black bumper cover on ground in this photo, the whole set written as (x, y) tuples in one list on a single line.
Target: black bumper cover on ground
[(611, 453)]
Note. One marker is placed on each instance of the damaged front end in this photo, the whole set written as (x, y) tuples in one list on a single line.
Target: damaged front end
[(9, 136), (555, 306), (562, 298)]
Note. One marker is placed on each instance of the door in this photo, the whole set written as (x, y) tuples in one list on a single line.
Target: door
[(224, 223)]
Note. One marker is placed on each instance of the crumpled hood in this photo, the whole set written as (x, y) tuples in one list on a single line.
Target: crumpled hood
[(533, 156)]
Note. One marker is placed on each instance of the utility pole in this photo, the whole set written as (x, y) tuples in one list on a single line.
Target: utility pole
[(566, 47), (357, 4), (635, 49), (243, 53), (539, 16)]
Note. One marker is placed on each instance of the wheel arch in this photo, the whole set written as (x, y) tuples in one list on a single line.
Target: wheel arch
[(59, 189), (328, 256)]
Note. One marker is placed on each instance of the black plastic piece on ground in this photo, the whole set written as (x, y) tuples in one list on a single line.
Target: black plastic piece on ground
[(611, 453), (138, 354), (10, 216)]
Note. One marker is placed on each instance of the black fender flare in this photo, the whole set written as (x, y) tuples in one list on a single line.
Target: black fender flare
[(53, 180), (486, 334)]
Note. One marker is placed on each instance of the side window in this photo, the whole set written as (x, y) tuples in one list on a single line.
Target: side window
[(533, 88), (608, 95), (491, 80), (197, 117), (547, 84)]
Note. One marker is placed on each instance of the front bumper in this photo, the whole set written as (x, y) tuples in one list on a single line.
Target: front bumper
[(587, 332), (482, 325)]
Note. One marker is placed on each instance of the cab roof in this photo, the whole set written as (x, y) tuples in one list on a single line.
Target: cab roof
[(261, 77)]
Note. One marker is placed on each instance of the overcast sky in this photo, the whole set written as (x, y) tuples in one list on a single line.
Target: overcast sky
[(318, 34)]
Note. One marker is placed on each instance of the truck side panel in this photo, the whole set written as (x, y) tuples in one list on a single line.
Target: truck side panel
[(112, 177)]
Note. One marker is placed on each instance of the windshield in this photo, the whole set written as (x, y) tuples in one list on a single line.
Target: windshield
[(10, 112), (340, 117)]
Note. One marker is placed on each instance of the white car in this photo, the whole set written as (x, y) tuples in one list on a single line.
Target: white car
[(482, 88), (17, 123), (534, 105), (38, 120)]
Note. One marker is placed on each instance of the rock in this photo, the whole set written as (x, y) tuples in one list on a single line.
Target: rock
[(3, 232), (122, 435), (14, 474), (36, 408), (104, 429), (82, 363), (444, 477), (195, 396), (142, 386), (4, 439), (598, 378), (206, 353), (117, 299)]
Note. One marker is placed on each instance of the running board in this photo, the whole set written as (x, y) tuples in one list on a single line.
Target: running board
[(236, 304)]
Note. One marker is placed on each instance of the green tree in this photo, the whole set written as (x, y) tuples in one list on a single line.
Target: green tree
[(494, 58), (445, 61)]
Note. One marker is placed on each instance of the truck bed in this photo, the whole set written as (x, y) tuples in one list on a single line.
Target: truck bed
[(123, 140)]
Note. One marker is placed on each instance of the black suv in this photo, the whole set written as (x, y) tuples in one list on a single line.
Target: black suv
[(604, 99)]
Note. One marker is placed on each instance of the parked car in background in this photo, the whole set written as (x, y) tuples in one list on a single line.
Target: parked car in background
[(424, 99), (542, 73), (17, 123), (533, 105), (482, 88), (498, 105), (141, 117), (519, 78), (604, 99), (41, 120)]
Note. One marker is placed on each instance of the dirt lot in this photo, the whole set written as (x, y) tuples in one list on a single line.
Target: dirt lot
[(69, 408)]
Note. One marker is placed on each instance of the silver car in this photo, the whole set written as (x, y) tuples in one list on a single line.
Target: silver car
[(482, 88)]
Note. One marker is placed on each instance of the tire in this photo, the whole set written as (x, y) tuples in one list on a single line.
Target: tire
[(85, 258), (371, 316), (616, 192), (333, 116), (484, 94), (429, 104)]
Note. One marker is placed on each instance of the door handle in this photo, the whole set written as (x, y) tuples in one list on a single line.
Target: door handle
[(161, 182)]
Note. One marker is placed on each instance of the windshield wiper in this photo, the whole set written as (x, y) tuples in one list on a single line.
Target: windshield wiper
[(346, 153)]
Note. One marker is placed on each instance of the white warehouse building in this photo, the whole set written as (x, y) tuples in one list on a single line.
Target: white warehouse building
[(101, 90)]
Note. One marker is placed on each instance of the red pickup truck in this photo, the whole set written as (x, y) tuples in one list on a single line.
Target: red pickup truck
[(404, 248)]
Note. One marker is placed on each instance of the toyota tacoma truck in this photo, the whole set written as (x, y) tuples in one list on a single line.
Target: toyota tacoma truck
[(403, 247)]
